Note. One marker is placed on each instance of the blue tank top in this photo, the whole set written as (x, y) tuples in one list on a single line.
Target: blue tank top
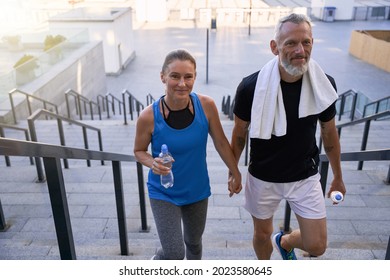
[(188, 148)]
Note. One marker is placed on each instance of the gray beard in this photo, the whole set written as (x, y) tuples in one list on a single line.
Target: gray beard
[(293, 70)]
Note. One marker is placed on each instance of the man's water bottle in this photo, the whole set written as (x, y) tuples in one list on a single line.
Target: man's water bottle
[(166, 180), (336, 196)]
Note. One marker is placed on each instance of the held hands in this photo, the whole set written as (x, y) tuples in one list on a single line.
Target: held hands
[(234, 184)]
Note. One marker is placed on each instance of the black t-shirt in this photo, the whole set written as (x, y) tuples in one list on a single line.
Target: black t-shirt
[(291, 157)]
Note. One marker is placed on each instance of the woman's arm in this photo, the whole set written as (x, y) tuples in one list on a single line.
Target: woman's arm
[(221, 143)]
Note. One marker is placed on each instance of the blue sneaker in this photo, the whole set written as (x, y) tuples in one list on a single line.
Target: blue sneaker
[(285, 255)]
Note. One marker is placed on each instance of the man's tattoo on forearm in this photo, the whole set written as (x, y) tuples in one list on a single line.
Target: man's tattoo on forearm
[(328, 149), (241, 142)]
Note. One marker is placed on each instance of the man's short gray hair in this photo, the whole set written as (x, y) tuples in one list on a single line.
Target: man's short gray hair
[(294, 18)]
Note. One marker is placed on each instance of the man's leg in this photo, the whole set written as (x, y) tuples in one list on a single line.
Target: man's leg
[(262, 243), (311, 237)]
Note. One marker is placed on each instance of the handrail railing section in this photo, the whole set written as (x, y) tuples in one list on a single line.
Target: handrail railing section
[(134, 103), (59, 118), (111, 102), (28, 96), (78, 98), (342, 101), (379, 105), (51, 155), (12, 127), (149, 99)]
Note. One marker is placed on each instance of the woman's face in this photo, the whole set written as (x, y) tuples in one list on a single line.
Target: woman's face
[(179, 78)]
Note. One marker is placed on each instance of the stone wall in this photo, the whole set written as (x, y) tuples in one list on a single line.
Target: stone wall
[(82, 71)]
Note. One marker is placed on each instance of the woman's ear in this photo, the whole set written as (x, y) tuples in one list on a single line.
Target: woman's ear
[(274, 47), (162, 77)]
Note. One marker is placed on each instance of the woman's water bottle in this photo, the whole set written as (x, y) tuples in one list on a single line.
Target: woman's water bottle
[(166, 180), (336, 196)]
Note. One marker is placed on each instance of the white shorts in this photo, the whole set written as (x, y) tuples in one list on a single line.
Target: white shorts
[(305, 197)]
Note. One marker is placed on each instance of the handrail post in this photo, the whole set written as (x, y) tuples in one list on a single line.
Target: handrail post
[(79, 105), (38, 163), (124, 107), (91, 109), (364, 141), (29, 105), (100, 143), (120, 207), (354, 102), (62, 139), (86, 146), (59, 206), (7, 160), (342, 102), (131, 106), (3, 224), (287, 218), (323, 169), (99, 112), (141, 191), (108, 107), (11, 100), (67, 105)]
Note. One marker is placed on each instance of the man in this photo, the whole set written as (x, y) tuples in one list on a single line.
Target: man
[(280, 107)]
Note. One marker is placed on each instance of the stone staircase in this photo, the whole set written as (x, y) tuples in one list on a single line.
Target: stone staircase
[(358, 229)]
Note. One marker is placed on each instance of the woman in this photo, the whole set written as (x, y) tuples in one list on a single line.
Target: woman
[(182, 120)]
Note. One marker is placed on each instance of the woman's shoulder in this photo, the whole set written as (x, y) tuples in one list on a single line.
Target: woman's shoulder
[(147, 115), (203, 98)]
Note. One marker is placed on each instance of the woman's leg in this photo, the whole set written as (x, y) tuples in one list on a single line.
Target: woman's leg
[(167, 217), (194, 221)]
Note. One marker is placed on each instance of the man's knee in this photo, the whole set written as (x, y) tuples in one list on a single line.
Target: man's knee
[(316, 249), (262, 235)]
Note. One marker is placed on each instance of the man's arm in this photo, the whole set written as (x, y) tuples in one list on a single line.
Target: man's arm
[(330, 139), (239, 134)]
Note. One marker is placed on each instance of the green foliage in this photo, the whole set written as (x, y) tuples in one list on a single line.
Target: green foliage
[(51, 41), (27, 58)]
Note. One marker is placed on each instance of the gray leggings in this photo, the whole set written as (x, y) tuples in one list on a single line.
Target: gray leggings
[(168, 218)]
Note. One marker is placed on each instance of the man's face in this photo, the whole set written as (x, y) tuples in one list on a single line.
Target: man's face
[(294, 47)]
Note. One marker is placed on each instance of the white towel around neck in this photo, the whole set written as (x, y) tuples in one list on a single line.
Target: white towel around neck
[(268, 116)]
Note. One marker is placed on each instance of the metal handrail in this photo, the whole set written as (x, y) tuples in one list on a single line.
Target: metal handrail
[(78, 98), (373, 155), (12, 127), (227, 107), (132, 102), (51, 155), (367, 121), (342, 98), (59, 118), (28, 96), (376, 104), (112, 102), (103, 100), (149, 99)]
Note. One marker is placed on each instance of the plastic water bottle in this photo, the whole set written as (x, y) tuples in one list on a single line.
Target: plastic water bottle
[(336, 196), (166, 180)]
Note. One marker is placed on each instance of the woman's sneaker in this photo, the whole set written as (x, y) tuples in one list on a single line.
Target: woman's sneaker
[(285, 255)]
